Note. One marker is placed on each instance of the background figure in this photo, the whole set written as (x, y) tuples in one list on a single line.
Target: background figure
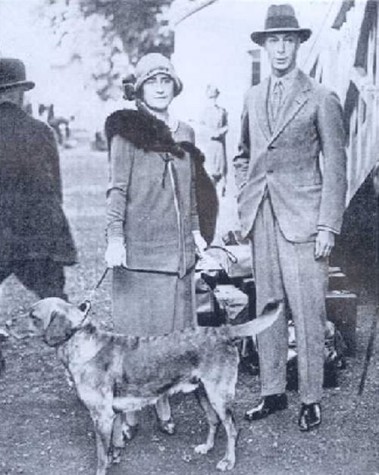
[(35, 239), (214, 121), (59, 124), (153, 222), (290, 210)]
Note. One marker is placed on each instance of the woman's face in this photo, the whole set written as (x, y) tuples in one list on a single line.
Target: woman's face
[(158, 92)]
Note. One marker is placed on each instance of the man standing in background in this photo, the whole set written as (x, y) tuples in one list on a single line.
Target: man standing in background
[(290, 209), (35, 239)]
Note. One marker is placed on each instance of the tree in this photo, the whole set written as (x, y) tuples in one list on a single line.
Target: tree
[(131, 27)]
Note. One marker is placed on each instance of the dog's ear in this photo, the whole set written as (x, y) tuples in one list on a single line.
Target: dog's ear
[(59, 329)]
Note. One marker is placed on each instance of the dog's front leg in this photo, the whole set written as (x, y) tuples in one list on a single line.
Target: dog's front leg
[(213, 422), (103, 422)]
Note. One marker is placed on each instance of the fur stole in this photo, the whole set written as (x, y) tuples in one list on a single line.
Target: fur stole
[(148, 133), (143, 130)]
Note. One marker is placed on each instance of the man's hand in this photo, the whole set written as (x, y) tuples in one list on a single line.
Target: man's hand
[(200, 243), (324, 244), (223, 186), (115, 255)]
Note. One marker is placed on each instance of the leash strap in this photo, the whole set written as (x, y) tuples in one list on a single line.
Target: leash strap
[(230, 255), (87, 301)]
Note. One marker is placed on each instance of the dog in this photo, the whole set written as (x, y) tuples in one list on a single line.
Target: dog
[(114, 374)]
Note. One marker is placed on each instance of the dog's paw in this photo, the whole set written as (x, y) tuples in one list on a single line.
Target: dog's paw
[(203, 449), (226, 464)]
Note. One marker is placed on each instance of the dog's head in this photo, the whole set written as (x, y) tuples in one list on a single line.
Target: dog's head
[(53, 319)]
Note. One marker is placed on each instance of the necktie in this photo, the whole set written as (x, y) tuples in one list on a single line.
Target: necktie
[(276, 100)]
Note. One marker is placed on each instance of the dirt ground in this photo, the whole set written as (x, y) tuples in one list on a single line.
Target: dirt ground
[(44, 429)]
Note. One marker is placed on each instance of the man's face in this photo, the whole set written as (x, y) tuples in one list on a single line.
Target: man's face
[(282, 50)]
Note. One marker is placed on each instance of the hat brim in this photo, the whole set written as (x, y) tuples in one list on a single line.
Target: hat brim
[(259, 37), (26, 85), (178, 85)]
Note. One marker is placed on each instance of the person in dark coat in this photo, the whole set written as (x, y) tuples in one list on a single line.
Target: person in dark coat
[(35, 239), (154, 198)]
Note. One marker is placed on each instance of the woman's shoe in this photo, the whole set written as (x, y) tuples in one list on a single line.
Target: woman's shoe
[(167, 427), (310, 416), (129, 432), (267, 405)]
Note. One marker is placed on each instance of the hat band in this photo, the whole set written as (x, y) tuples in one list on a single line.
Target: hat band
[(281, 21)]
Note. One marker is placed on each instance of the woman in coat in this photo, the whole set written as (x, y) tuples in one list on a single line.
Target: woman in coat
[(152, 219)]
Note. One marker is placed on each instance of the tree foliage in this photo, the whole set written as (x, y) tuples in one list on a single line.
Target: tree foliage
[(142, 25), (121, 31), (108, 34)]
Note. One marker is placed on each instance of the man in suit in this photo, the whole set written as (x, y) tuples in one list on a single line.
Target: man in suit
[(291, 175), (35, 239)]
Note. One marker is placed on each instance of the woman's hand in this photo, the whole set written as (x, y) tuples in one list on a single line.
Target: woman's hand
[(115, 255), (200, 243)]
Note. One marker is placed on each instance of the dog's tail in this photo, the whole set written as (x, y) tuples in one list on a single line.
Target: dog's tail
[(268, 317)]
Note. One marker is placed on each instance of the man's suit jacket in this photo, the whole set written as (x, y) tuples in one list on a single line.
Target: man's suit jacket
[(32, 222), (307, 193)]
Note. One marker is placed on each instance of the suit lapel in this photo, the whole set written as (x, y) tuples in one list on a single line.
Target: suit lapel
[(261, 108), (296, 99)]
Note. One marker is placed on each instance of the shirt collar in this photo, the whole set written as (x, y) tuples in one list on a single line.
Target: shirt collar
[(286, 80)]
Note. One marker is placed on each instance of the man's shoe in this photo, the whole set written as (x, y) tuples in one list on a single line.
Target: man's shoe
[(310, 416), (268, 405)]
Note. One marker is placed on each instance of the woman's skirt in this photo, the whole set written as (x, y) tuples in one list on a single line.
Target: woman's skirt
[(151, 304)]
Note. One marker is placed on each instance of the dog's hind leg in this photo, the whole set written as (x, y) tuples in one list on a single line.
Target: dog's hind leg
[(220, 384), (219, 399), (213, 421)]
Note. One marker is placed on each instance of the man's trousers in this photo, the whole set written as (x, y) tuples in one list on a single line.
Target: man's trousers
[(288, 271)]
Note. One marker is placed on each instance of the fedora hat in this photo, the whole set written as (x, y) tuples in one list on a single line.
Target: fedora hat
[(280, 19), (12, 74)]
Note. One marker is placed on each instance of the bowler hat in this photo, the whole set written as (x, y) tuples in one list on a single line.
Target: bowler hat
[(280, 19), (12, 74)]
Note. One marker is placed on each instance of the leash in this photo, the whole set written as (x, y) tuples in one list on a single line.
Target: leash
[(231, 256), (87, 301)]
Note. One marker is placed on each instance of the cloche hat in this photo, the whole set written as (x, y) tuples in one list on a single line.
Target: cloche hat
[(152, 64)]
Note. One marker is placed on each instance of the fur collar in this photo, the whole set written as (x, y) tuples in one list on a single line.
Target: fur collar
[(146, 132)]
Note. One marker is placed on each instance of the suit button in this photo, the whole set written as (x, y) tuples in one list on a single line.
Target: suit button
[(271, 147), (270, 171)]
